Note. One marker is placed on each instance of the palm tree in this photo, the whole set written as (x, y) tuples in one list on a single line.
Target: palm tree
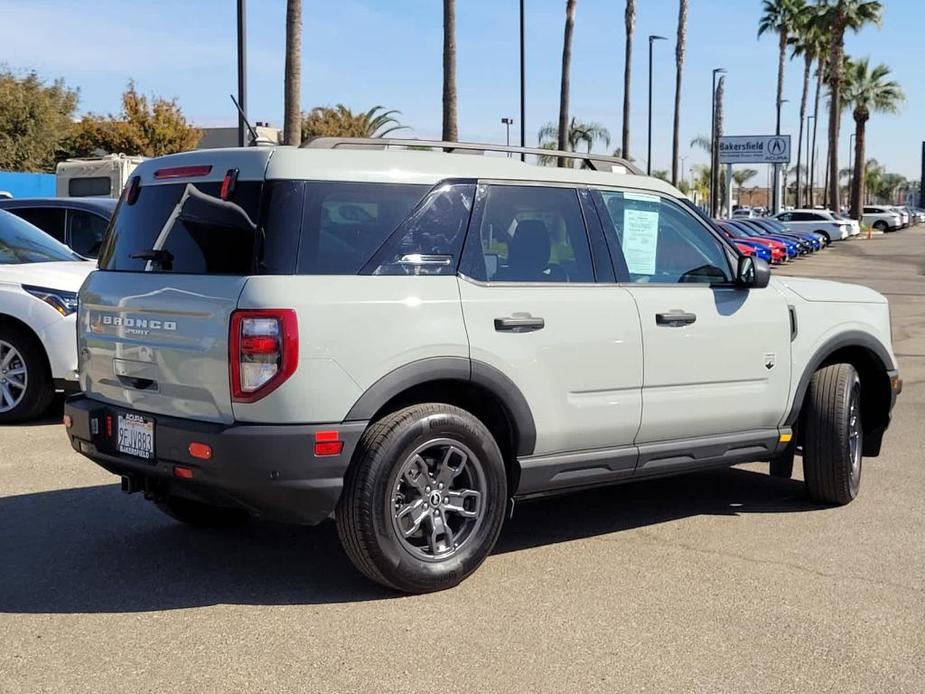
[(867, 90), (717, 133), (838, 16), (566, 67), (703, 142), (340, 121), (450, 131), (679, 68), (629, 17), (577, 133), (807, 43), (780, 17), (743, 176), (873, 176), (292, 109)]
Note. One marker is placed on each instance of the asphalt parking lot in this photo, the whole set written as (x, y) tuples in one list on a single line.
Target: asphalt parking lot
[(723, 581)]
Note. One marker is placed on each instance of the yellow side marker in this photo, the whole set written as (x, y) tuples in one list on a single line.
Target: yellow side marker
[(786, 438)]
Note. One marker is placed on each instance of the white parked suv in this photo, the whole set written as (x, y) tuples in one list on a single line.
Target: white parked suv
[(882, 218), (39, 279), (410, 341), (831, 225)]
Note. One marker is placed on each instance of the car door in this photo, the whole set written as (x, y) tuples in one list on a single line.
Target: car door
[(716, 357), (535, 311)]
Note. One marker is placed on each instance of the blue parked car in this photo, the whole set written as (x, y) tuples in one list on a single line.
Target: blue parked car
[(817, 241), (793, 245)]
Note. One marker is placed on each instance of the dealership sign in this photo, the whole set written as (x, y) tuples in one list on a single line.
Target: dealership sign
[(754, 149)]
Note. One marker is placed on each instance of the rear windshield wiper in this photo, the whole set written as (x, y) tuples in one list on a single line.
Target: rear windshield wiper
[(162, 257)]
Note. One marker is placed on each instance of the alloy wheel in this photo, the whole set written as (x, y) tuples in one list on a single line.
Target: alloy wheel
[(14, 377)]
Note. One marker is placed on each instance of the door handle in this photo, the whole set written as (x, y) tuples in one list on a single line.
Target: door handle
[(675, 318), (519, 323)]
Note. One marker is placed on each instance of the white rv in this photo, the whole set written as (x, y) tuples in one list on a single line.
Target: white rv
[(97, 176)]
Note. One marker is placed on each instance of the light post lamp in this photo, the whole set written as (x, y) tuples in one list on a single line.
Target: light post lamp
[(713, 143), (508, 122), (523, 105), (652, 39)]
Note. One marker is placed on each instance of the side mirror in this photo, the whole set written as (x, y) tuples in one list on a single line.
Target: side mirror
[(753, 273)]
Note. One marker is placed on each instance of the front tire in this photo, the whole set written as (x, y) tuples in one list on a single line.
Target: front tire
[(880, 226), (833, 436), (26, 388), (423, 499)]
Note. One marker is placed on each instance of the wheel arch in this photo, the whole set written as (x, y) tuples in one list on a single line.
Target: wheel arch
[(470, 384), (9, 320), (874, 365)]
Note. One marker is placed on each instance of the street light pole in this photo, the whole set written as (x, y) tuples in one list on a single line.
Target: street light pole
[(523, 92), (242, 71), (713, 143), (683, 159), (652, 39), (508, 122), (809, 166)]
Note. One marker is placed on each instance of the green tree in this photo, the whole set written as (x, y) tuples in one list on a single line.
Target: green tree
[(867, 90), (743, 176), (629, 20), (808, 41), (578, 133), (147, 126), (35, 119), (566, 68), (780, 17), (838, 16), (340, 121), (679, 69)]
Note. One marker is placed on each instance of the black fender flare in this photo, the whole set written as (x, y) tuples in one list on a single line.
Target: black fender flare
[(433, 369), (851, 338)]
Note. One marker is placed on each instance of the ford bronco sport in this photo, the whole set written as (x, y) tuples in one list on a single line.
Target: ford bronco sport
[(409, 341)]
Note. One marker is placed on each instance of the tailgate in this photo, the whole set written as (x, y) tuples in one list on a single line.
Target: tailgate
[(156, 348)]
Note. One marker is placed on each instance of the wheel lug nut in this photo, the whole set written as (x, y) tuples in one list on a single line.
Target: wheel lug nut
[(427, 489), (441, 485), (425, 507)]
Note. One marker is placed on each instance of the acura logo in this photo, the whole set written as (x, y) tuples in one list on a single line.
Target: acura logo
[(777, 146)]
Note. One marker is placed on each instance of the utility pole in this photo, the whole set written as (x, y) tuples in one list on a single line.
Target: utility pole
[(523, 88), (652, 39)]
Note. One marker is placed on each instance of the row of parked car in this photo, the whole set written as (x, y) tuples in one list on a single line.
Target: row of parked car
[(771, 240)]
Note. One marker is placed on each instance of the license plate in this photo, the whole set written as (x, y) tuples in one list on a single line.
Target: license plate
[(135, 436)]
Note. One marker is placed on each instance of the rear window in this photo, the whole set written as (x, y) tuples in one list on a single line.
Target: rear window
[(186, 228)]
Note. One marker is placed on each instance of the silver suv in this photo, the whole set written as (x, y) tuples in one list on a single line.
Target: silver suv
[(410, 341)]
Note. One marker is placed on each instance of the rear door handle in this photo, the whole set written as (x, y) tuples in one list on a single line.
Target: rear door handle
[(519, 323), (675, 318)]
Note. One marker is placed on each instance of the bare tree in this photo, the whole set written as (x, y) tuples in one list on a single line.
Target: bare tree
[(679, 69), (450, 129), (630, 20), (566, 66), (292, 125)]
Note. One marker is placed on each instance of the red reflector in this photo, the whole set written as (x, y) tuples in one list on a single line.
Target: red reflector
[(183, 171), (184, 473), (328, 443), (108, 425), (323, 448), (200, 450), (228, 184), (259, 344), (68, 422)]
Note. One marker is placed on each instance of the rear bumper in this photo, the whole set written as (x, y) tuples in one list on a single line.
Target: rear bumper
[(270, 471)]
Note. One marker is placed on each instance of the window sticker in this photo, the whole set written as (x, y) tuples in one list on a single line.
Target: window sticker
[(640, 239)]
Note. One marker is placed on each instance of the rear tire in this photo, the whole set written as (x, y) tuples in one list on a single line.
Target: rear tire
[(880, 226), (832, 435), (424, 498), (201, 515), (26, 388)]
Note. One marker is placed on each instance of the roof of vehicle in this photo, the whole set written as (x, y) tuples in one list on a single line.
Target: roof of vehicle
[(385, 165), (103, 206)]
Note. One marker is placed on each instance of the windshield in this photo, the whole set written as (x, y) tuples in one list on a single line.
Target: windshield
[(20, 242)]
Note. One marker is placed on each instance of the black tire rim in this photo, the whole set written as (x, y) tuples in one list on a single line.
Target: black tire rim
[(438, 499), (854, 435), (14, 377)]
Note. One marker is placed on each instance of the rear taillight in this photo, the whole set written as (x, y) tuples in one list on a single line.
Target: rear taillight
[(263, 351)]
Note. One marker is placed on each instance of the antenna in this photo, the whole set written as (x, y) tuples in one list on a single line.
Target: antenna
[(244, 117)]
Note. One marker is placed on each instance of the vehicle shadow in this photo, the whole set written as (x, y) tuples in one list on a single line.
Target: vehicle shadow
[(94, 549)]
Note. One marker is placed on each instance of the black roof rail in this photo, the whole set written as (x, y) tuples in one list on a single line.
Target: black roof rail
[(596, 162)]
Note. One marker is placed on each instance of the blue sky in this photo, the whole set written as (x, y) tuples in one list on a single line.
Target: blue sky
[(368, 52)]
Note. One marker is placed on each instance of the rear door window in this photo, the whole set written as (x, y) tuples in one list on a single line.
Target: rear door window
[(85, 232), (344, 224), (48, 219)]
